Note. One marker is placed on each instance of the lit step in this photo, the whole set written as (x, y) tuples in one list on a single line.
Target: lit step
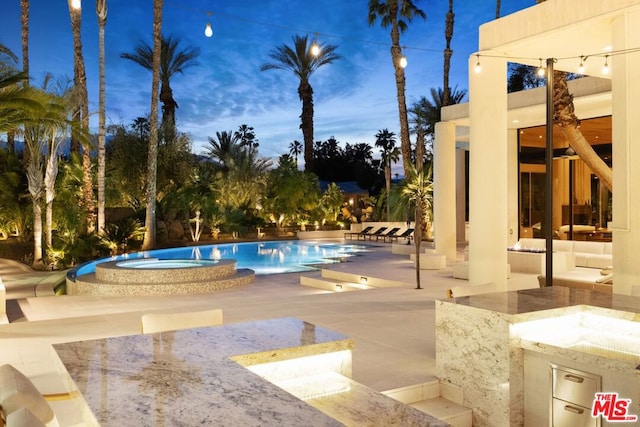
[(445, 410), (331, 285)]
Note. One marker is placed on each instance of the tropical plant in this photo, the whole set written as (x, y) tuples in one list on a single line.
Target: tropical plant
[(101, 11), (149, 241), (397, 14), (300, 59), (122, 236), (418, 190), (291, 194), (331, 202), (173, 60), (386, 141)]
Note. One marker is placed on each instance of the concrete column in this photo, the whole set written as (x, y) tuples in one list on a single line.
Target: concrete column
[(512, 187), (488, 173), (461, 189), (625, 88), (444, 189)]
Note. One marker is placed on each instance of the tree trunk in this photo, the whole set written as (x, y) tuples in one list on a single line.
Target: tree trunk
[(448, 34), (101, 10), (149, 241), (37, 234), (497, 9), (80, 84), (417, 239), (24, 20), (305, 92), (387, 181), (50, 174), (565, 118)]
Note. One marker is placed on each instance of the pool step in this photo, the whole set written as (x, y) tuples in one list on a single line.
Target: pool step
[(435, 399), (340, 281)]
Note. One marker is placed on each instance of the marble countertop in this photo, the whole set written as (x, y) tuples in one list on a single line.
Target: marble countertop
[(553, 297), (197, 377)]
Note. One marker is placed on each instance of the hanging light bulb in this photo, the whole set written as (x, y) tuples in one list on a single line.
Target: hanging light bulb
[(478, 67), (581, 66), (208, 31), (315, 47), (605, 68), (540, 71), (76, 4), (403, 60)]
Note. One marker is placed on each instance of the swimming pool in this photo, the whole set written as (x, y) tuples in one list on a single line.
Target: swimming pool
[(270, 257)]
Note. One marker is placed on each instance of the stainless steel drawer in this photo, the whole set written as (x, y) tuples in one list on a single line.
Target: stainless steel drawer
[(573, 386), (567, 414)]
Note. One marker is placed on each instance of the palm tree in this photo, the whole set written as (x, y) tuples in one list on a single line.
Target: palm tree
[(149, 241), (569, 125), (397, 14), (427, 112), (295, 149), (448, 34), (386, 141), (101, 11), (303, 63), (82, 98), (172, 62), (223, 148), (418, 189)]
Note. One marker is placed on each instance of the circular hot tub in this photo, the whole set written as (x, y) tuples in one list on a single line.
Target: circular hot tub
[(156, 270), (154, 276)]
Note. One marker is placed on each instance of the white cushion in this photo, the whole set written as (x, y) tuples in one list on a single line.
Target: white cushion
[(599, 261), (17, 392), (563, 245), (608, 248), (588, 247)]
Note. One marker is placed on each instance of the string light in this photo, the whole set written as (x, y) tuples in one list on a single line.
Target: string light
[(315, 47), (478, 67), (581, 66), (208, 31), (605, 68), (76, 4), (403, 59), (540, 71)]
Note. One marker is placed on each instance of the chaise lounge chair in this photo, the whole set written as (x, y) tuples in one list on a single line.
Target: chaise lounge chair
[(365, 230), (376, 233), (406, 234), (389, 233)]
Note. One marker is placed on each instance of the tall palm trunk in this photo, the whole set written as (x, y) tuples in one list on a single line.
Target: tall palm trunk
[(80, 83), (568, 123), (448, 34), (149, 241), (387, 182), (305, 92), (396, 54), (497, 9), (101, 10), (51, 172)]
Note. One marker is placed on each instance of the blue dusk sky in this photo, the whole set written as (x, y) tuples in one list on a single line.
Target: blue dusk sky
[(353, 97)]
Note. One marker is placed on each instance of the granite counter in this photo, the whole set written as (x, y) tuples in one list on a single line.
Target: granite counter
[(224, 376)]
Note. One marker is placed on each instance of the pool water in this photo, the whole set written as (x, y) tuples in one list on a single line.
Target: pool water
[(262, 257)]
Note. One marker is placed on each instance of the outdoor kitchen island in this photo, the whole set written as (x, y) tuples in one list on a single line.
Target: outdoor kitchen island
[(270, 372), (502, 350)]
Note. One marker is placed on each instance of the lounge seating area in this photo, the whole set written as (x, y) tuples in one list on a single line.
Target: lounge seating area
[(587, 254), (387, 232)]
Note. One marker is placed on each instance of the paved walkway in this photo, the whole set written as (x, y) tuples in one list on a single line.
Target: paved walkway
[(393, 328)]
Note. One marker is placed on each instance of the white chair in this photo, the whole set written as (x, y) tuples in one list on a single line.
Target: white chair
[(160, 322)]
